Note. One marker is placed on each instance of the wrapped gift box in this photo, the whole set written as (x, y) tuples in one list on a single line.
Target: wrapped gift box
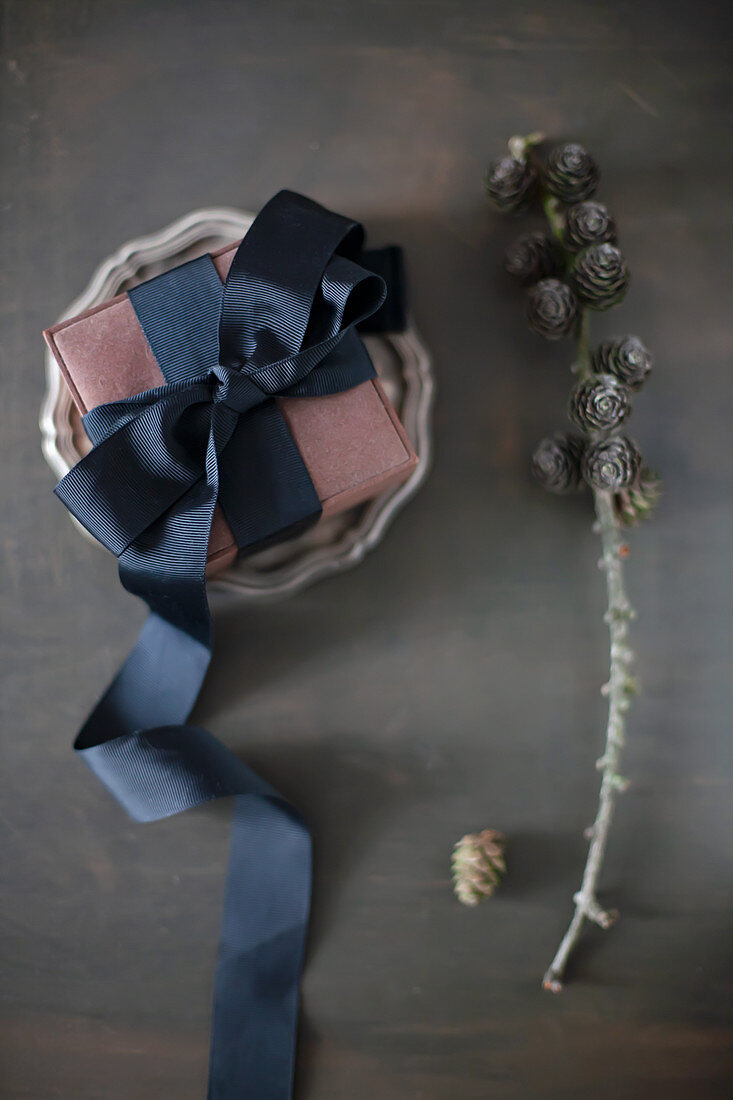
[(352, 442)]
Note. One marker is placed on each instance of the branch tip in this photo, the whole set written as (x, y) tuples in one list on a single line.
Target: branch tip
[(551, 982)]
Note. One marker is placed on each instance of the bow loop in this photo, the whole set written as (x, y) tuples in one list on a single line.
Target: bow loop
[(293, 289), (150, 451)]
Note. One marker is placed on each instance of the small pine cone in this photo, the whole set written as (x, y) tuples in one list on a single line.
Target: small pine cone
[(532, 257), (571, 173), (478, 864), (627, 358), (611, 464), (600, 276), (600, 403), (510, 183), (552, 309), (556, 463), (588, 223), (635, 504)]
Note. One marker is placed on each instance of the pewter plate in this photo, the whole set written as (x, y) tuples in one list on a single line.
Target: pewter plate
[(401, 360)]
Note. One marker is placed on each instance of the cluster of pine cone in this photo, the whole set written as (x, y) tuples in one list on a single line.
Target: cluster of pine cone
[(581, 268), (585, 269)]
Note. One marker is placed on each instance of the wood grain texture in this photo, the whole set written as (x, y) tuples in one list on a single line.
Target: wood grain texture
[(451, 682)]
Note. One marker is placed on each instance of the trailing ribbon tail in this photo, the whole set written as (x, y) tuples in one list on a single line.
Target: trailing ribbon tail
[(170, 769)]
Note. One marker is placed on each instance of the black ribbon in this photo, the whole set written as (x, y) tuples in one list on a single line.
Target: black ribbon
[(282, 324)]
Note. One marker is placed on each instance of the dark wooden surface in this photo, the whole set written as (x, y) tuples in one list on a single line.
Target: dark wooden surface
[(451, 682)]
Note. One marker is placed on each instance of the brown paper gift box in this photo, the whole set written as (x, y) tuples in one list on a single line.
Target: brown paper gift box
[(352, 442)]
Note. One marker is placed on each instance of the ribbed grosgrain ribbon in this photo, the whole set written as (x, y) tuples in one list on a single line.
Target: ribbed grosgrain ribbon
[(282, 324)]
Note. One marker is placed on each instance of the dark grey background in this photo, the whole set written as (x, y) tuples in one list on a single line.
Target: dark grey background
[(451, 682)]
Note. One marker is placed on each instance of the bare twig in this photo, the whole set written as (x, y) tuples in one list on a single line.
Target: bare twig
[(618, 689)]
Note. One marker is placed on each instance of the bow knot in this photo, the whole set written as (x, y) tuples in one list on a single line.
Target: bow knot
[(234, 389)]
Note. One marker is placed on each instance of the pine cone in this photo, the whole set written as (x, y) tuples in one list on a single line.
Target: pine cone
[(600, 276), (600, 403), (531, 257), (510, 183), (627, 358), (556, 463), (551, 309), (570, 173), (611, 464), (637, 502), (588, 223), (478, 864)]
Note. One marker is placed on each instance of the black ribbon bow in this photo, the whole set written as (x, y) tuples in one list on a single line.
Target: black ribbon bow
[(283, 324)]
